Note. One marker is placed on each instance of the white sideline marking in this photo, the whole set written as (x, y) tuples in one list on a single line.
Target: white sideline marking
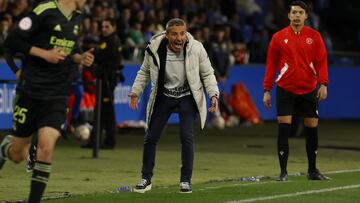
[(343, 171), (296, 194), (266, 182), (239, 184)]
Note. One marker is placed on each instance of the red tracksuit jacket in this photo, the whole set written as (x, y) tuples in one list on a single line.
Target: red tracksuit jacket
[(300, 61)]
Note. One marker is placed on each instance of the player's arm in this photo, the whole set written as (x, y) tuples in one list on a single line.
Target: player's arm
[(18, 40), (321, 67), (52, 56), (82, 58), (9, 58), (271, 63), (86, 58)]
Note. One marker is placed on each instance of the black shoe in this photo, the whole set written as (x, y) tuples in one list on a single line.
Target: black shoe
[(143, 186), (316, 175), (31, 159), (185, 187), (283, 176)]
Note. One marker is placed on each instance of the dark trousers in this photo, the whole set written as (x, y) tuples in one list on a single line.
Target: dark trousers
[(163, 108)]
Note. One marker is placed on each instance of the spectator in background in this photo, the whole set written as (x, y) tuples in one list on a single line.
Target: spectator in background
[(219, 51), (149, 32), (4, 31), (135, 43), (91, 36), (197, 34), (236, 33), (160, 21), (248, 7), (205, 33), (3, 5), (313, 19), (123, 24), (259, 45), (108, 61), (19, 8), (276, 18), (287, 57)]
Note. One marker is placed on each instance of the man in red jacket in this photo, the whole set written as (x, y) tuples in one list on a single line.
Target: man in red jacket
[(297, 53)]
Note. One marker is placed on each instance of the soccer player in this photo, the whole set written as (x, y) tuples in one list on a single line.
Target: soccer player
[(297, 53), (47, 37), (179, 70), (10, 60)]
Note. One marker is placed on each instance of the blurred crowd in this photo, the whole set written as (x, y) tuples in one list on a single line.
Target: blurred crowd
[(246, 26)]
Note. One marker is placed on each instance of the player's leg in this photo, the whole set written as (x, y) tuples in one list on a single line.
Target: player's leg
[(4, 150), (51, 119), (31, 158), (285, 106), (310, 108), (161, 113), (311, 135), (47, 137), (14, 149), (187, 115)]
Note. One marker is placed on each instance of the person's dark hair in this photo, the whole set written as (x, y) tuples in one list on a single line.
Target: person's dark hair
[(175, 22), (299, 3), (112, 21)]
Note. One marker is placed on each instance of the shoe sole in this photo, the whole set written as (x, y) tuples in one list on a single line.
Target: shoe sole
[(28, 170), (281, 180), (182, 192), (147, 188)]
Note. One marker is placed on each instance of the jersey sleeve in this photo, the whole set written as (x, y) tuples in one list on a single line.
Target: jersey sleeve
[(77, 49), (321, 65), (10, 60), (19, 39), (272, 61)]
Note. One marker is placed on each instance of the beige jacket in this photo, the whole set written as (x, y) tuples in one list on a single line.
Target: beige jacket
[(199, 74)]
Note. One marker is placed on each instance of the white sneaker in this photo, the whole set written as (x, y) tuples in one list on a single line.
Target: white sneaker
[(143, 186), (185, 187)]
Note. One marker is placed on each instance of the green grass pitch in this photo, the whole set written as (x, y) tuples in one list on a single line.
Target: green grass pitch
[(222, 157)]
